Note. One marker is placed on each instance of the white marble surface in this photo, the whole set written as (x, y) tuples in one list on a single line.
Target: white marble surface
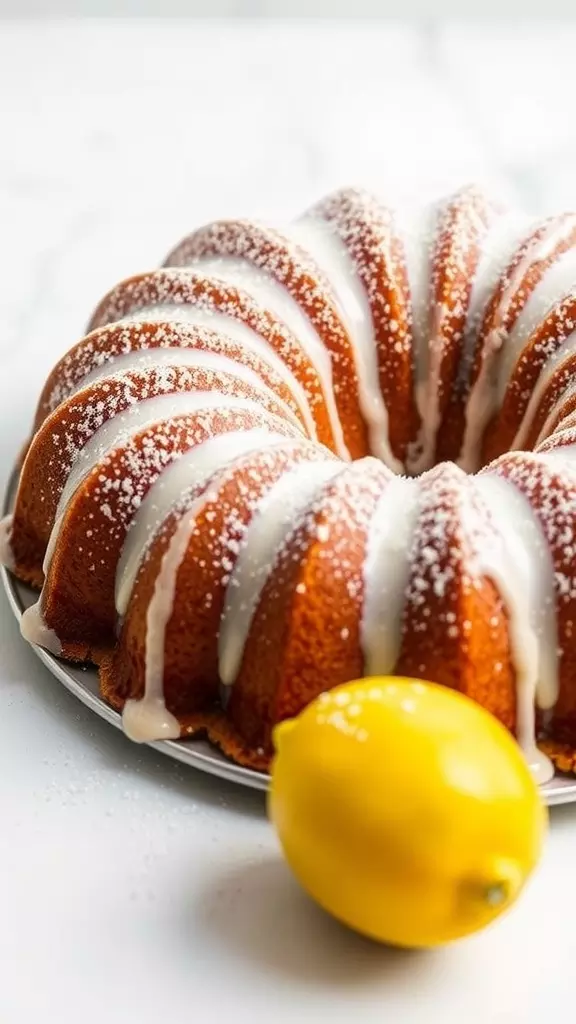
[(131, 889)]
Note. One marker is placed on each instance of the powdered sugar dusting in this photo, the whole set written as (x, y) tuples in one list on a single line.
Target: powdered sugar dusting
[(244, 530)]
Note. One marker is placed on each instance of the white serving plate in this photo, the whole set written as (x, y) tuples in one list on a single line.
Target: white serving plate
[(82, 681)]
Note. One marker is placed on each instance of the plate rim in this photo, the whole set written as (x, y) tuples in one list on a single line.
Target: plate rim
[(560, 790), (197, 753)]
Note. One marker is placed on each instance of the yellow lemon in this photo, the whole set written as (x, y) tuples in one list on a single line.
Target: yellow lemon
[(405, 810)]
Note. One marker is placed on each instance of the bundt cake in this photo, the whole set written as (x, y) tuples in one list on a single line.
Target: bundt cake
[(289, 459)]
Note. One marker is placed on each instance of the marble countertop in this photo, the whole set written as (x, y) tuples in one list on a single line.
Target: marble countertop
[(130, 888)]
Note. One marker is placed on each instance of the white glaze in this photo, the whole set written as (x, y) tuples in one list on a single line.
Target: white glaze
[(34, 629), (556, 283), (427, 397), (192, 469), (120, 429), (148, 718), (502, 239), (321, 240), (277, 299), (236, 331), (502, 347), (427, 332), (540, 249), (386, 574), (523, 573), (481, 404), (271, 523), (418, 230), (197, 359), (552, 364)]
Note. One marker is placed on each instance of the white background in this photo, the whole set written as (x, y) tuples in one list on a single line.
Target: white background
[(130, 889), (518, 10), (286, 8)]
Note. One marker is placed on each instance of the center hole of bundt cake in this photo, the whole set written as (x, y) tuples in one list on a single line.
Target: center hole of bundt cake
[(415, 472), (418, 462), (465, 436)]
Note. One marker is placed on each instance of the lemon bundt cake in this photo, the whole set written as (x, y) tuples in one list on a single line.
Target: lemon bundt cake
[(286, 460)]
